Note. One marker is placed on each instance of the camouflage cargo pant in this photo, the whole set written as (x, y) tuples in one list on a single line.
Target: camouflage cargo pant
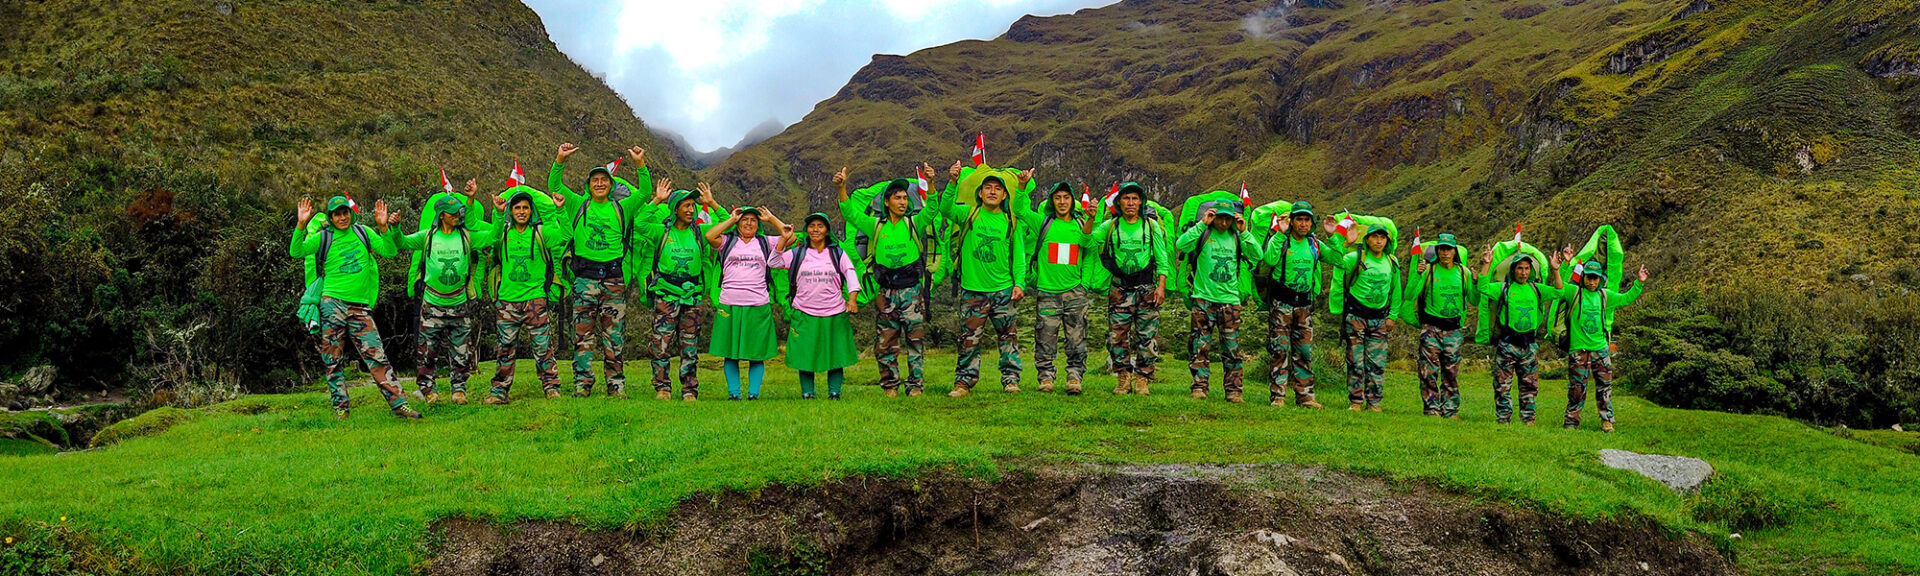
[(444, 329), (901, 318), (1133, 325), (599, 312), (342, 322), (1584, 366), (1510, 362), (530, 317), (1207, 316), (1290, 350), (676, 332), (976, 310), (1065, 312), (1366, 360), (1440, 370)]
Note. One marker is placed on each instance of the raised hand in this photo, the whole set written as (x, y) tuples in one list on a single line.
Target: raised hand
[(661, 188), (1025, 177), (927, 169), (499, 203), (638, 155), (559, 200), (840, 178), (1330, 224), (1207, 218), (303, 211), (380, 213), (1424, 266), (953, 172), (1486, 257), (566, 150), (472, 186), (1286, 224), (1240, 223), (1567, 253), (1643, 273), (706, 194)]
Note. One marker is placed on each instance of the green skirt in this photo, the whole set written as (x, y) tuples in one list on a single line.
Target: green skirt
[(743, 333), (816, 344)]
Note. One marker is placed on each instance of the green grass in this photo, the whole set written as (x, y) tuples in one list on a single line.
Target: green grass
[(279, 481)]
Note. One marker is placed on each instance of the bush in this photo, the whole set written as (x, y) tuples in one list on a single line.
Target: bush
[(153, 422)]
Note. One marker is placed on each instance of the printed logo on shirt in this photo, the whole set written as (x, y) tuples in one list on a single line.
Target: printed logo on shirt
[(1446, 299), (598, 236), (984, 253), (1590, 318), (1223, 269), (350, 263), (449, 269)]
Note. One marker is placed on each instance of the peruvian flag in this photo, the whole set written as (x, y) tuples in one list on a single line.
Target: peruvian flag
[(703, 216), (1516, 232), (445, 184), (1058, 253), (1086, 199), (1246, 199), (1112, 197), (920, 179), (1274, 228), (517, 177), (980, 149), (354, 206), (1416, 241), (1346, 223), (614, 166)]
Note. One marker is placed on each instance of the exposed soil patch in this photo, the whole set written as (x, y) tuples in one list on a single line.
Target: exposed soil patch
[(1186, 520)]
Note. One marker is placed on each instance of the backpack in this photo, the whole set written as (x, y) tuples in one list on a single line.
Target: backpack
[(766, 252), (539, 244), (426, 288), (1500, 307), (960, 243), (1426, 292), (626, 235), (800, 256), (1148, 227), (326, 241)]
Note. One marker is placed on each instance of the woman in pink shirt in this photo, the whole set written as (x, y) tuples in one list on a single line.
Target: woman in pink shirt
[(743, 309), (825, 287)]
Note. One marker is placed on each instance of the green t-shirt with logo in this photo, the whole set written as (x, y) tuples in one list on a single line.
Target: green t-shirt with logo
[(1525, 306), (448, 260), (597, 235), (351, 274), (1589, 313), (1135, 245), (1217, 266), (1444, 292), (1296, 263), (992, 257)]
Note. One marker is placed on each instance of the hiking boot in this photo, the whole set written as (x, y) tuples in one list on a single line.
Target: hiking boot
[(1046, 385), (1011, 389), (958, 392), (460, 398), (1374, 408), (1198, 394), (1277, 401), (621, 394), (914, 393), (1122, 387), (1529, 422), (341, 413), (1606, 427), (753, 396), (1354, 407), (688, 398), (1234, 398), (430, 398), (1455, 417), (733, 397), (1140, 384), (551, 394), (662, 395), (893, 392), (833, 396), (1073, 387), (582, 392), (407, 413), (495, 400), (1432, 413), (806, 396), (1312, 405)]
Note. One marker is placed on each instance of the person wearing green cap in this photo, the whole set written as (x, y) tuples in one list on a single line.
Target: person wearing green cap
[(1133, 248), (677, 282), (447, 254), (1220, 246), (528, 275), (743, 329), (1372, 300), (601, 230), (1520, 307), (1589, 354), (344, 263), (826, 292), (1062, 232), (897, 265), (1293, 258), (992, 269), (1441, 291)]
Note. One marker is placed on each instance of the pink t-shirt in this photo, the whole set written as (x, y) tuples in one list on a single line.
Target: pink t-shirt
[(743, 280), (818, 291)]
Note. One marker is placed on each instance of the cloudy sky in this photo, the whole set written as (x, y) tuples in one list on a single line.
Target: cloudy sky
[(711, 70)]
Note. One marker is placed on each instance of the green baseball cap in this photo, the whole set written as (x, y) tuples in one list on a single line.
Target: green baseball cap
[(450, 206), (1376, 229), (1302, 207), (1447, 241), (337, 203), (744, 210), (1227, 207)]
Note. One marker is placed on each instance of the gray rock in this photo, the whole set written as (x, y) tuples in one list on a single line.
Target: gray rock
[(1680, 473)]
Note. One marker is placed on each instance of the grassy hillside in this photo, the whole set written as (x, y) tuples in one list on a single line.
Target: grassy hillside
[(154, 151), (274, 484)]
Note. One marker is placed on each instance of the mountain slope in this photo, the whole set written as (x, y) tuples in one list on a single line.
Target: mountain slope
[(154, 150)]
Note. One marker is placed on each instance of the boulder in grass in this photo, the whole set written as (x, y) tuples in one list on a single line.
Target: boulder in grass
[(1680, 473)]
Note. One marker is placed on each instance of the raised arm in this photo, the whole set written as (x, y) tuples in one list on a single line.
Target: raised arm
[(554, 180), (642, 180), (715, 234)]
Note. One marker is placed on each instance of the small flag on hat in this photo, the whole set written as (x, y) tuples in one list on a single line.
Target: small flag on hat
[(444, 183), (517, 177), (980, 149)]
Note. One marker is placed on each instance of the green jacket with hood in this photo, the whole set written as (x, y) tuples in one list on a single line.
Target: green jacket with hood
[(529, 258), (1588, 314), (988, 248), (351, 274), (675, 251), (892, 243)]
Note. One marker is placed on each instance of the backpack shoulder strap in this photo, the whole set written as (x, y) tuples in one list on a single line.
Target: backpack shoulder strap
[(320, 257), (834, 252)]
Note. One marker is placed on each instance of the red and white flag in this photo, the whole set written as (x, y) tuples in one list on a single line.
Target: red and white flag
[(517, 177), (1246, 198), (1113, 196), (444, 183), (702, 216), (920, 179), (613, 167), (1086, 199), (1516, 232), (980, 149), (354, 206), (1416, 241), (1346, 223), (1274, 228), (1058, 253)]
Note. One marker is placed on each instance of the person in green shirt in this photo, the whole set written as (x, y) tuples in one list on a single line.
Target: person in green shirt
[(1519, 306), (600, 228), (344, 263), (1133, 249), (992, 268), (446, 257), (1220, 246), (677, 282), (1372, 301), (528, 274), (1062, 232), (897, 264), (1293, 259), (1441, 290), (1590, 356)]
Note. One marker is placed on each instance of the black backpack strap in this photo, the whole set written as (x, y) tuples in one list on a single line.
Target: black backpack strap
[(725, 249), (834, 252), (320, 257)]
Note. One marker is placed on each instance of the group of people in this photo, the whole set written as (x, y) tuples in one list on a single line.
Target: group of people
[(692, 257)]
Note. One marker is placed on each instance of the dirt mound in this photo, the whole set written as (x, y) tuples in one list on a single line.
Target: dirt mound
[(1086, 520)]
